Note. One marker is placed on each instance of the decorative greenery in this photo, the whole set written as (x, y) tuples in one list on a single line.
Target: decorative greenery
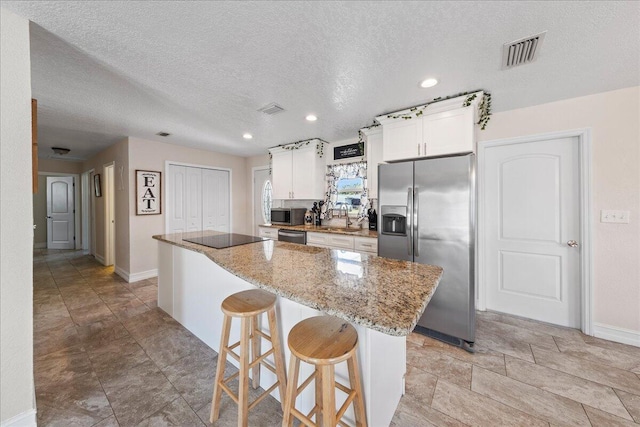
[(296, 145), (361, 135), (484, 107)]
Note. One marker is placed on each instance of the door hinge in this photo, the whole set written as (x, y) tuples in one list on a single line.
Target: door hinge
[(74, 211), (74, 238)]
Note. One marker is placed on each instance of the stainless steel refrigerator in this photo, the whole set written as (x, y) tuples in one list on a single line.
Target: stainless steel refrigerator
[(428, 216)]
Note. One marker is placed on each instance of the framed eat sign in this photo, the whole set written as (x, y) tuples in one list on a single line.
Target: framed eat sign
[(148, 193)]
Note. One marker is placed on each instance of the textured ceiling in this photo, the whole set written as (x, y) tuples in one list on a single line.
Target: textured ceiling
[(200, 70)]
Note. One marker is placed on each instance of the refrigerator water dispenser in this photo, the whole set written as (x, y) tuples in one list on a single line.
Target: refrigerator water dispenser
[(394, 220)]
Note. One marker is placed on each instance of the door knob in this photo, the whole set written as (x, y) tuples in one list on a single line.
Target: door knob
[(572, 243), (48, 217)]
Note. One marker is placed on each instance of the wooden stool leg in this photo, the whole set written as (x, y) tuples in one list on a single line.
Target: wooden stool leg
[(222, 360), (292, 385), (277, 355), (243, 380), (255, 350), (318, 385), (354, 382), (328, 396)]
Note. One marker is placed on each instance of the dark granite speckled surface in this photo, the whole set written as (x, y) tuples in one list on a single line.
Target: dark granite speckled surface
[(379, 293)]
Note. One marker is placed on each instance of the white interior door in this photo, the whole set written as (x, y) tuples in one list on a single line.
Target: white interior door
[(110, 215), (60, 213), (532, 228), (176, 207), (193, 199), (260, 178), (215, 200)]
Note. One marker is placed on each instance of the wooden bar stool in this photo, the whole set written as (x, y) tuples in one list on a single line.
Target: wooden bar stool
[(248, 306), (324, 341)]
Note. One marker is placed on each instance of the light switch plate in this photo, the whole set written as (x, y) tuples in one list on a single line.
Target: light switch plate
[(619, 217)]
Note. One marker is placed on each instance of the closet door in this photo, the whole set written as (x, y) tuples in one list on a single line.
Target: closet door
[(193, 199), (177, 183), (215, 198)]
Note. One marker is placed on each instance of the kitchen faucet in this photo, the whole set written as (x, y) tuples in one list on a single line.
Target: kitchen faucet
[(346, 214)]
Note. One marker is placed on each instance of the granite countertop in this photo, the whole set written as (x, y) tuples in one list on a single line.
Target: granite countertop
[(364, 232), (379, 293)]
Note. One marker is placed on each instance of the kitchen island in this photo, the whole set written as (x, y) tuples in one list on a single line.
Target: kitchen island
[(382, 298)]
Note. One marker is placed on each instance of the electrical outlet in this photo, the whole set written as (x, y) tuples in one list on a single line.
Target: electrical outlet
[(619, 217)]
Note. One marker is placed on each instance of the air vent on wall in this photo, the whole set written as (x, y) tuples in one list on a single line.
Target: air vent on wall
[(271, 109), (521, 51)]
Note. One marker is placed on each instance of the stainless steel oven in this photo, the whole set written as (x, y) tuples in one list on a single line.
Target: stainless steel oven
[(292, 236)]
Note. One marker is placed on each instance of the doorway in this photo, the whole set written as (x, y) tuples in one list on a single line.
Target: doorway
[(87, 206), (110, 215), (61, 232), (534, 228), (262, 197)]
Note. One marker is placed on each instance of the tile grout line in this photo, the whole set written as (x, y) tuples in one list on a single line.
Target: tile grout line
[(624, 405)]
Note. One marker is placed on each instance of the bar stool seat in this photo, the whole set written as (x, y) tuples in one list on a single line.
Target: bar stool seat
[(324, 341), (248, 306)]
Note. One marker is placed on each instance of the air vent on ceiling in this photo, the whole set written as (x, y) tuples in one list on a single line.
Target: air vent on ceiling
[(271, 109), (521, 51), (165, 134)]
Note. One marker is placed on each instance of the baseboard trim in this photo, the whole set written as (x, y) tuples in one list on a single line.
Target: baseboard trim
[(99, 258), (122, 273), (136, 277), (613, 333), (25, 419), (42, 245)]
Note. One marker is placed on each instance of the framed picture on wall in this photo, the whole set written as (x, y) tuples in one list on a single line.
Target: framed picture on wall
[(148, 192), (96, 185)]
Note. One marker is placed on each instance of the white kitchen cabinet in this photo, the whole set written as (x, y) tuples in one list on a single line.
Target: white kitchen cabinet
[(340, 241), (268, 232), (365, 244), (402, 139), (298, 173), (444, 127), (373, 139), (449, 132), (281, 174)]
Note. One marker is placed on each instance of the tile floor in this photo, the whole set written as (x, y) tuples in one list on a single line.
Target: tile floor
[(105, 355)]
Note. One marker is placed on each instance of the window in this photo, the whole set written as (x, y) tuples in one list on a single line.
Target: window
[(346, 186), (266, 202)]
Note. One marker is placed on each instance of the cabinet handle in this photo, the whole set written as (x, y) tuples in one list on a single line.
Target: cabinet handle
[(425, 148), (418, 149), (366, 245)]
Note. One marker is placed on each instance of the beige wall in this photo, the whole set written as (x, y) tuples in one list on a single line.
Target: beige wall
[(17, 401), (118, 153), (59, 166), (614, 118), (150, 155)]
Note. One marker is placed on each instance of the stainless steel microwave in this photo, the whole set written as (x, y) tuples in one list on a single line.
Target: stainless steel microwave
[(287, 216)]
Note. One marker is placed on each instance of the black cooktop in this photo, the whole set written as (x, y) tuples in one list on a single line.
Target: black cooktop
[(224, 240)]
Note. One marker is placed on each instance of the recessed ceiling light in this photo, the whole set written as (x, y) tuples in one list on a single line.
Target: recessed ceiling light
[(311, 118), (165, 134), (247, 136), (428, 83)]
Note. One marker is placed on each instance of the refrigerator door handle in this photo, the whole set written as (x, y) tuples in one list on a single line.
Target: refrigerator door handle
[(409, 221), (416, 212)]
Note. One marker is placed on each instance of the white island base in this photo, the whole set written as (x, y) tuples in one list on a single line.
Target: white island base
[(191, 288)]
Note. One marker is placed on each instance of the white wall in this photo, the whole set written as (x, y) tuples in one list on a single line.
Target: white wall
[(16, 229), (614, 118)]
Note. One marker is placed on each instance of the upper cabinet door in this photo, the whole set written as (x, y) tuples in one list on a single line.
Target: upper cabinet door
[(449, 132), (374, 157), (303, 185), (402, 139), (281, 174)]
